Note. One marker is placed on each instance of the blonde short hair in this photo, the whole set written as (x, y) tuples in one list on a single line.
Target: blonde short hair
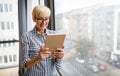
[(40, 11)]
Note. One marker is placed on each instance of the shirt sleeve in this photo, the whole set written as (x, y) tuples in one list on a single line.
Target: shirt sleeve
[(57, 64), (24, 50)]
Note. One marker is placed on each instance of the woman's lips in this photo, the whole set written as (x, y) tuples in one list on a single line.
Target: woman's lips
[(42, 26)]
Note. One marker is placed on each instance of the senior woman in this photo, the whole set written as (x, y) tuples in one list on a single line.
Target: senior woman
[(35, 57)]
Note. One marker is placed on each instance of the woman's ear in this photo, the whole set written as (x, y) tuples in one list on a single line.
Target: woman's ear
[(34, 18)]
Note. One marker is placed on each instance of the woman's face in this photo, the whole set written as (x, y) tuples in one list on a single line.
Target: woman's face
[(42, 22)]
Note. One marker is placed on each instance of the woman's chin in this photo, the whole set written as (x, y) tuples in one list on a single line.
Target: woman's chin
[(43, 28)]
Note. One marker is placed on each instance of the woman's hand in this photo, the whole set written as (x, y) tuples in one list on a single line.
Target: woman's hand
[(59, 53), (44, 53)]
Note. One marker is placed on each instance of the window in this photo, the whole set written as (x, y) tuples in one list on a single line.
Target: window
[(8, 26), (92, 29), (1, 7), (6, 7), (12, 26), (41, 2), (9, 44), (2, 26), (5, 59), (118, 31), (0, 59), (10, 58), (10, 7), (4, 45), (9, 33), (14, 58)]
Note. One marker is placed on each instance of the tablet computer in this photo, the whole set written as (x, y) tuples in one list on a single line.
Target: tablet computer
[(54, 41)]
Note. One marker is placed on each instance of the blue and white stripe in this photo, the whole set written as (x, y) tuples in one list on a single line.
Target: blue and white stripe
[(30, 43)]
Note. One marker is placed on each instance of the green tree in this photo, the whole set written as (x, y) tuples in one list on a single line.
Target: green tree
[(83, 45)]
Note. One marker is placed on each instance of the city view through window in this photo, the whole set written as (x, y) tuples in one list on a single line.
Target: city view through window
[(92, 45), (9, 46)]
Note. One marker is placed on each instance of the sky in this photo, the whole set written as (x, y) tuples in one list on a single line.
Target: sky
[(67, 5)]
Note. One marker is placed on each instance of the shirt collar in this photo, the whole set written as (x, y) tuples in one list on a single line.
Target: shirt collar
[(38, 33)]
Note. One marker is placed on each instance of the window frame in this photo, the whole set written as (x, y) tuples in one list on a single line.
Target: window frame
[(50, 4)]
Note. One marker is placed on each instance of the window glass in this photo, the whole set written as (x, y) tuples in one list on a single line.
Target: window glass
[(10, 58), (5, 59), (6, 7), (2, 25), (0, 59), (1, 7), (30, 5), (14, 58), (41, 2), (10, 7), (12, 26), (9, 33), (92, 45), (8, 25)]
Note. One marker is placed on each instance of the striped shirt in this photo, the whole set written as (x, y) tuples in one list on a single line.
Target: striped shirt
[(30, 43)]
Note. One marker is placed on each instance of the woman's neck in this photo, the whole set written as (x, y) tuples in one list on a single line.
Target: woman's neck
[(42, 31)]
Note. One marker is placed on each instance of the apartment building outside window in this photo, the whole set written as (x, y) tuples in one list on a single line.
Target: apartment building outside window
[(91, 32), (9, 33)]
